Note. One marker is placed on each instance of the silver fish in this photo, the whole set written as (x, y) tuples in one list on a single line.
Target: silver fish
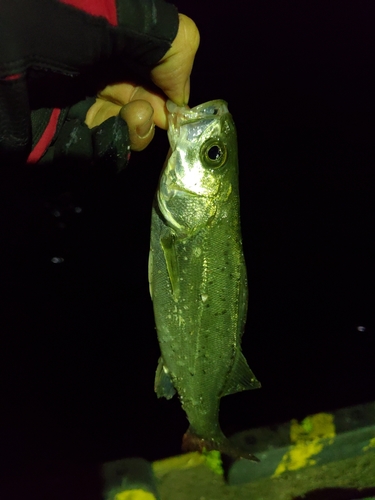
[(197, 272)]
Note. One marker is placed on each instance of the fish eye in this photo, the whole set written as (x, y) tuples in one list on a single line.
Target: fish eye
[(213, 153)]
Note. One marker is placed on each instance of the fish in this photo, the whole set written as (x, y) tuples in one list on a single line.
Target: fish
[(197, 272)]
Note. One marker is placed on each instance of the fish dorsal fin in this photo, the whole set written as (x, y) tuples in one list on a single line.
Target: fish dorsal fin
[(163, 383), (169, 250), (240, 378)]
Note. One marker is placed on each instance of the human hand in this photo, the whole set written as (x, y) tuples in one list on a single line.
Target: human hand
[(141, 108)]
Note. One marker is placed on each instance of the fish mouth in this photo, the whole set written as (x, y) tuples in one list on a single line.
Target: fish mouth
[(179, 116), (184, 114)]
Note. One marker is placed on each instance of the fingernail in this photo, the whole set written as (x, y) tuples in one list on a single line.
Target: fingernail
[(145, 129)]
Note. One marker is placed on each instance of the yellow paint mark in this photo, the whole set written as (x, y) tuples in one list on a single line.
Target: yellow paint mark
[(317, 426), (213, 461), (309, 437), (186, 461), (370, 445), (211, 458), (134, 495)]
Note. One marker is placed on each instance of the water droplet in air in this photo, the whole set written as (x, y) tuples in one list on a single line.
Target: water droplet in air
[(57, 260), (56, 213), (365, 329), (77, 210)]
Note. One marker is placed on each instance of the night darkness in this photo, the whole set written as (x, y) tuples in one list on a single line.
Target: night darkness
[(80, 348)]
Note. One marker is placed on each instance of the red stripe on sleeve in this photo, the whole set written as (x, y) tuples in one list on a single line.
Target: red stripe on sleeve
[(13, 77), (46, 138), (102, 8)]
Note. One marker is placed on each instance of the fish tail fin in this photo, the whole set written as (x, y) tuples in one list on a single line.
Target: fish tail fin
[(192, 442)]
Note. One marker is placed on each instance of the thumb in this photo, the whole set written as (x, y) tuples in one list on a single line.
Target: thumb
[(172, 74)]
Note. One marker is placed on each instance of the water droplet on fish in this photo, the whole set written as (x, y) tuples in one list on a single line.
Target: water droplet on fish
[(197, 251), (77, 210), (204, 297), (57, 260)]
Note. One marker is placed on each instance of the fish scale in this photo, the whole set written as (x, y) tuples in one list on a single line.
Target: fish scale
[(197, 272)]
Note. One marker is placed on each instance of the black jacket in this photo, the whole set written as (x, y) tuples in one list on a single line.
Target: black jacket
[(55, 54)]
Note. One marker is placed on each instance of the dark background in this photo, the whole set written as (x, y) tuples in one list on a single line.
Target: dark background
[(79, 346)]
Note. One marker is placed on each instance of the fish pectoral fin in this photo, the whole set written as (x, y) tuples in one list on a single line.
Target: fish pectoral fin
[(241, 378), (163, 382), (169, 250)]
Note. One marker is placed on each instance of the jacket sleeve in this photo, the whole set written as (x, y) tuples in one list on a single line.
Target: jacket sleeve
[(55, 53)]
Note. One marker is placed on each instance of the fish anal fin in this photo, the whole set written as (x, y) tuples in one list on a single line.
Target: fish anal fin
[(241, 378), (169, 251), (163, 383)]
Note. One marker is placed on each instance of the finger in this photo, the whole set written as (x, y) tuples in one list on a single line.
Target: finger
[(137, 114), (100, 111), (113, 97), (172, 73), (157, 102), (139, 117)]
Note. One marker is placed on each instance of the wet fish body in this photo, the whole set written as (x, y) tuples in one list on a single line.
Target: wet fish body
[(197, 271)]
